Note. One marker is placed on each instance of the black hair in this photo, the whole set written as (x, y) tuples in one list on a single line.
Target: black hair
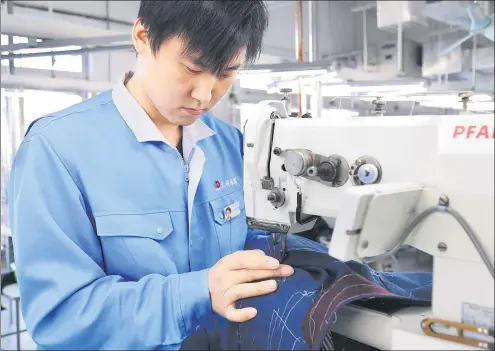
[(214, 31), (228, 210)]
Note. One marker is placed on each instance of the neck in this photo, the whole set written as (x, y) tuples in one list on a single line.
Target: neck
[(171, 132)]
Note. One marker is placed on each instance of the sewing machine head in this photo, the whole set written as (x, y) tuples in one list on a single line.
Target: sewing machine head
[(380, 183)]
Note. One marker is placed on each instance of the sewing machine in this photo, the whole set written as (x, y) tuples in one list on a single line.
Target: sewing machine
[(382, 183)]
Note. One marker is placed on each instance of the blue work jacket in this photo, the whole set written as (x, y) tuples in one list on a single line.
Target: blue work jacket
[(114, 230)]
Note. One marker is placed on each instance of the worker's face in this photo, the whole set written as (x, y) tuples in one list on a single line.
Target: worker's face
[(178, 88)]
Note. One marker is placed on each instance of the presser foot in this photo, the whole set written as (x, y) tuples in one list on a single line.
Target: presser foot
[(283, 250)]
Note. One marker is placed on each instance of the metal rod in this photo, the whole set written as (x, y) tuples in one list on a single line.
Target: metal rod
[(473, 64), (69, 52), (365, 42), (10, 39), (299, 49), (22, 117), (310, 31), (10, 7), (316, 103), (58, 43), (11, 120), (109, 56), (313, 31), (284, 247), (439, 48), (32, 6), (399, 49)]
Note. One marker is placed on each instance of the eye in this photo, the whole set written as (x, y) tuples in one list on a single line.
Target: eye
[(225, 75), (193, 71)]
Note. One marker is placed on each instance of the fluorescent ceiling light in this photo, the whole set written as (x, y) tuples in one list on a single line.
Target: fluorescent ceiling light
[(447, 96), (306, 83), (388, 92), (291, 68), (272, 83), (289, 73)]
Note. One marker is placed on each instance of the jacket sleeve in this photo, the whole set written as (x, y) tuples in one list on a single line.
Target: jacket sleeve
[(67, 300)]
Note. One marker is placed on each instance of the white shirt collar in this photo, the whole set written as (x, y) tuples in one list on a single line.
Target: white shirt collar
[(143, 127)]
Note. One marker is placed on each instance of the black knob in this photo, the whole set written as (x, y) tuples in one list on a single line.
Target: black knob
[(327, 171)]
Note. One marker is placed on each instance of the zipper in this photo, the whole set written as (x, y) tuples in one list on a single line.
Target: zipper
[(185, 167)]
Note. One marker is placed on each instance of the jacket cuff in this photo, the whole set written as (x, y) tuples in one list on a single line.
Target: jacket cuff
[(194, 299)]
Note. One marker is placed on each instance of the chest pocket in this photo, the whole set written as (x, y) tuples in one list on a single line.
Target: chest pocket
[(135, 245), (231, 232)]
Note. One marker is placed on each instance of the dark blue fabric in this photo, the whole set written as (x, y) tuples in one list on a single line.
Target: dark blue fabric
[(299, 314)]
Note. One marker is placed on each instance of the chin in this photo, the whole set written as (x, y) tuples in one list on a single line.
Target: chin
[(186, 120)]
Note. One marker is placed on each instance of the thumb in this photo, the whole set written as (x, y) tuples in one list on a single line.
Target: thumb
[(240, 315)]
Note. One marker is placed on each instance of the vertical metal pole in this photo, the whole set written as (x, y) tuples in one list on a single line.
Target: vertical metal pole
[(17, 324), (365, 42), (107, 9), (439, 48), (299, 49), (21, 117), (313, 31), (10, 7), (12, 126), (10, 38), (399, 49), (473, 64), (316, 98)]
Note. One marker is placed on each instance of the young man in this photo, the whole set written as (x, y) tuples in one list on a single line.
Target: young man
[(117, 203)]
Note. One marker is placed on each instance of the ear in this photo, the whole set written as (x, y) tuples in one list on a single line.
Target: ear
[(140, 38)]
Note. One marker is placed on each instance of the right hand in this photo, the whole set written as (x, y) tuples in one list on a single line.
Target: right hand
[(231, 279)]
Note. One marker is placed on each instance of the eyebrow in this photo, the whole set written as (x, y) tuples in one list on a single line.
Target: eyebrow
[(233, 68), (197, 61)]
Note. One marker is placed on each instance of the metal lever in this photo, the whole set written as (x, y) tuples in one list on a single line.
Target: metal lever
[(283, 250)]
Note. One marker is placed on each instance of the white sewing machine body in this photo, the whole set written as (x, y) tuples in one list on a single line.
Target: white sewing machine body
[(412, 163)]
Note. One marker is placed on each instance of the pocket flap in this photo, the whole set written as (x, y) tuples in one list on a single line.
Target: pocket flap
[(150, 225), (218, 206)]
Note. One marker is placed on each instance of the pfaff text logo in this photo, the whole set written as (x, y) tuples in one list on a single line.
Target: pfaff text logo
[(228, 183), (474, 132)]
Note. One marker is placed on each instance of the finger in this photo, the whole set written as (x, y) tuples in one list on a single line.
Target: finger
[(240, 315), (243, 291), (252, 259), (249, 275)]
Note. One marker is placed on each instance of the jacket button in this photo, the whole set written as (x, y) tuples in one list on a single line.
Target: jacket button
[(159, 230)]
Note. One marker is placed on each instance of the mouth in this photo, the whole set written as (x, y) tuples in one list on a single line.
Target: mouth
[(192, 111)]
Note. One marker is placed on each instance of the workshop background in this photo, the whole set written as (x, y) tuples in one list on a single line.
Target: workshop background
[(338, 58)]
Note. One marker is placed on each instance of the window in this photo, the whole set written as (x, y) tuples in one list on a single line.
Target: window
[(38, 103), (247, 111), (9, 118), (69, 63)]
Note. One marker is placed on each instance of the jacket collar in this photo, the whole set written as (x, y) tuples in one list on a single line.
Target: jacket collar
[(143, 127)]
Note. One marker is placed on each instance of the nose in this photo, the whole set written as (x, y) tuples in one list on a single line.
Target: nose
[(203, 89)]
